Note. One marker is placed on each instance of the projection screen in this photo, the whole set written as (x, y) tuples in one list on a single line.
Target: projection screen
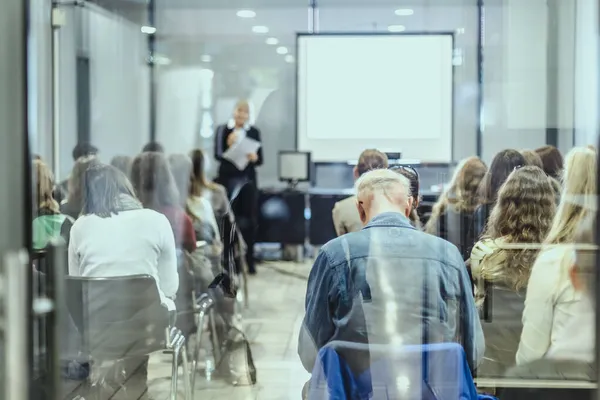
[(390, 92)]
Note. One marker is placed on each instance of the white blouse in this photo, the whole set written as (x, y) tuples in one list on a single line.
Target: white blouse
[(132, 242), (550, 305)]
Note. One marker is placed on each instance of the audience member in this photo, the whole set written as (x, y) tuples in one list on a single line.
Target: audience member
[(452, 215), (122, 163), (81, 150), (502, 165), (522, 215), (155, 187), (551, 296), (389, 265), (202, 187), (74, 201), (532, 158), (345, 216), (153, 147), (552, 161), (571, 355), (413, 177), (49, 223), (116, 236)]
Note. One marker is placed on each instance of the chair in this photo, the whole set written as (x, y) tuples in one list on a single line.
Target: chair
[(122, 317), (428, 372)]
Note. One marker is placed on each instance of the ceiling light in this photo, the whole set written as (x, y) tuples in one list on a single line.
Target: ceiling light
[(149, 30), (246, 14), (396, 28), (282, 50), (206, 58), (403, 12), (260, 29), (272, 41), (289, 58)]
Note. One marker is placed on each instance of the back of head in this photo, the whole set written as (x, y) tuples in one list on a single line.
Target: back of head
[(84, 150), (371, 159), (532, 158), (552, 160), (43, 180), (103, 187), (578, 198), (181, 168), (502, 165), (413, 177), (75, 196), (382, 190), (462, 191), (586, 251), (153, 182), (122, 163), (199, 181), (153, 147)]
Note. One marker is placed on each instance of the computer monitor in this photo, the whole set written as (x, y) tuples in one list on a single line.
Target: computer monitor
[(294, 166)]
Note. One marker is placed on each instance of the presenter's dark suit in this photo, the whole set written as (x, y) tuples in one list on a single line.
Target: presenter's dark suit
[(242, 187)]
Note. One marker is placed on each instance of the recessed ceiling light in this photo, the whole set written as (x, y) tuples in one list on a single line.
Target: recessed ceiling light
[(206, 58), (282, 50), (260, 29), (246, 14), (149, 30), (289, 58), (396, 28), (404, 12), (272, 41)]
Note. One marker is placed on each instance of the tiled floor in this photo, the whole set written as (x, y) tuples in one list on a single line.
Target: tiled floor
[(271, 323)]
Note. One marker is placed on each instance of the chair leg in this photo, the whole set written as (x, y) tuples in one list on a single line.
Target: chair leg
[(199, 331), (215, 339), (189, 394), (174, 374)]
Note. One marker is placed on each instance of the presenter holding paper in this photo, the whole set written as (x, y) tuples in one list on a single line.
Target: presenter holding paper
[(239, 151)]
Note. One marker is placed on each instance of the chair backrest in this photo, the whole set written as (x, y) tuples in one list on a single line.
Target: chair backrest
[(117, 317), (432, 372)]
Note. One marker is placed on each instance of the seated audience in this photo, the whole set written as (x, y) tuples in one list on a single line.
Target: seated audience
[(532, 158), (116, 236), (552, 161), (571, 355), (155, 187), (551, 296), (81, 150), (369, 286), (74, 201), (345, 216), (413, 177), (452, 215), (153, 147), (502, 165), (211, 191), (49, 223), (122, 163)]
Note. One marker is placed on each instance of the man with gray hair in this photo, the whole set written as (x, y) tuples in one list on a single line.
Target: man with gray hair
[(389, 283)]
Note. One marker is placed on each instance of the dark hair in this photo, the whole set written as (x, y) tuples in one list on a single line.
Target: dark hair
[(153, 182), (413, 177), (181, 168), (122, 163), (502, 165), (84, 149), (198, 179), (75, 185), (102, 186), (552, 160), (371, 159), (153, 147)]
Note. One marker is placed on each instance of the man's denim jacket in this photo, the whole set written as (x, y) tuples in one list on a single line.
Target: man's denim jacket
[(390, 284)]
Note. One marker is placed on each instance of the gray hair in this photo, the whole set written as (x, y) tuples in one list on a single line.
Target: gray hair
[(383, 181)]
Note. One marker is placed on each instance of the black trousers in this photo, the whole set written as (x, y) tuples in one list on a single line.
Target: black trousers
[(243, 194)]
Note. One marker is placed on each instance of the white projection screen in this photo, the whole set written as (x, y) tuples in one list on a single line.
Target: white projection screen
[(390, 92)]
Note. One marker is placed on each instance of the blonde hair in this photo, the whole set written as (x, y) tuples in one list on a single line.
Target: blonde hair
[(461, 194), (44, 186), (383, 181), (532, 158), (578, 198), (523, 214)]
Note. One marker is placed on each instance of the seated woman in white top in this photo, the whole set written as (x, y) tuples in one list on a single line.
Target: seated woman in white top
[(551, 298), (116, 236)]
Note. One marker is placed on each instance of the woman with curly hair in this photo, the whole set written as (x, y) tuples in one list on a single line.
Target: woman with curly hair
[(452, 214), (552, 299), (522, 215)]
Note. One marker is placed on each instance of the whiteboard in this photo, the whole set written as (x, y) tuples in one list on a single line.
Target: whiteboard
[(390, 92)]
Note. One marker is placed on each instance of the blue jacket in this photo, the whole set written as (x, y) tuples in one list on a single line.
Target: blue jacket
[(389, 284)]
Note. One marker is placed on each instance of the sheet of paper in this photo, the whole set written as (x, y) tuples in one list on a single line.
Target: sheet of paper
[(238, 152)]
